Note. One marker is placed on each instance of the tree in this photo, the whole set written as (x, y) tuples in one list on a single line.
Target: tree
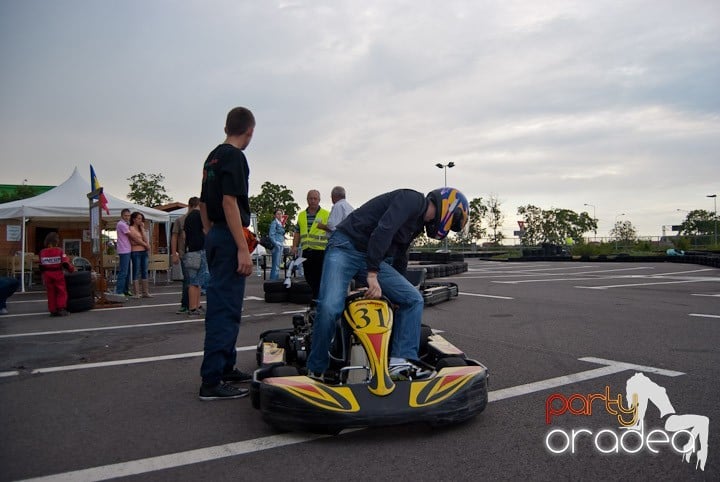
[(495, 218), (474, 230), (147, 190), (554, 226), (698, 222), (22, 191), (272, 197), (624, 231)]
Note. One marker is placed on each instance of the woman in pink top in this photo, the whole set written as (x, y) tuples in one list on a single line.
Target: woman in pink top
[(139, 249)]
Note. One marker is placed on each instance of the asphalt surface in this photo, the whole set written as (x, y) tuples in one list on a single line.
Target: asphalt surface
[(112, 393)]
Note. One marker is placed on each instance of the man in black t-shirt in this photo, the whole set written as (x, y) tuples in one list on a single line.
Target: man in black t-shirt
[(194, 259), (225, 209)]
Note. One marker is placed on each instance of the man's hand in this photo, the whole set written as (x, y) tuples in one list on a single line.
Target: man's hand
[(374, 291), (175, 258), (245, 265)]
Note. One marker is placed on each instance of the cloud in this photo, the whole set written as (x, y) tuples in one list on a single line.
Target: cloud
[(557, 103)]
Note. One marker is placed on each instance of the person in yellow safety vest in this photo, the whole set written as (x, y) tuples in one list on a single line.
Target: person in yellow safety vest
[(312, 240)]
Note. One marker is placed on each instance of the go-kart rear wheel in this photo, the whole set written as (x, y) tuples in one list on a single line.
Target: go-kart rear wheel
[(450, 361), (425, 334), (284, 371)]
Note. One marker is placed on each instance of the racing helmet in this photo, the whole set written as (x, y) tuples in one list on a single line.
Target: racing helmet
[(451, 213)]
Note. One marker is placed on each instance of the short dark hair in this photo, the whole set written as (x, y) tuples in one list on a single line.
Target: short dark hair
[(193, 202), (125, 210), (238, 121), (52, 239)]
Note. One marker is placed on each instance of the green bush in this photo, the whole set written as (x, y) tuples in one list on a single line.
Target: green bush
[(682, 243)]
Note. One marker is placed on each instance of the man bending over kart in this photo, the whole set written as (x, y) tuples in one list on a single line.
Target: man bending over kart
[(383, 228)]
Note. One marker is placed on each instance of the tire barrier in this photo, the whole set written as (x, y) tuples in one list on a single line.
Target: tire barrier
[(299, 291), (80, 291)]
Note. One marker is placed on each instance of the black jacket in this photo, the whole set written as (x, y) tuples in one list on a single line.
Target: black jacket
[(386, 225)]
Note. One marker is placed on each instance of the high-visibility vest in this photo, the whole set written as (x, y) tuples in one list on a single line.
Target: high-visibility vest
[(314, 238)]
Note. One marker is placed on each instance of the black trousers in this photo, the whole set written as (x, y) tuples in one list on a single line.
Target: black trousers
[(312, 266)]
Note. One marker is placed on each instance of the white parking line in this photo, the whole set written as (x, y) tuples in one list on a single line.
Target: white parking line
[(607, 287), (112, 363), (546, 280), (487, 296), (152, 464), (101, 328), (701, 315)]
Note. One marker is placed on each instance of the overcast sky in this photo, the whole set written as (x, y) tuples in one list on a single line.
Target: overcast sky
[(559, 104)]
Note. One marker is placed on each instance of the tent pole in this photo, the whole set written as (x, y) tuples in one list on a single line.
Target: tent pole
[(22, 259)]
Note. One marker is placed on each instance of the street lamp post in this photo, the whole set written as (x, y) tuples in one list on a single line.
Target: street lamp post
[(615, 227), (445, 167), (594, 219), (714, 196)]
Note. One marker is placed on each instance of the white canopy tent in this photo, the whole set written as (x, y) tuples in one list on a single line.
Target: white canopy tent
[(69, 202)]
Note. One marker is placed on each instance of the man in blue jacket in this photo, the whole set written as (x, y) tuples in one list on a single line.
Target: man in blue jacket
[(380, 229)]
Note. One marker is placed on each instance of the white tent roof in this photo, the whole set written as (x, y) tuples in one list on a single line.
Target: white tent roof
[(69, 202)]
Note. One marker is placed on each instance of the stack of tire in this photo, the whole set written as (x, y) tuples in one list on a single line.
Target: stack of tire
[(299, 291), (80, 291)]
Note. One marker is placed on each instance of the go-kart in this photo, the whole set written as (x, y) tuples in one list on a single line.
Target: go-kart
[(357, 390)]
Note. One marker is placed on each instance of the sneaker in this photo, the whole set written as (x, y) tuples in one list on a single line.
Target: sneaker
[(236, 376), (195, 312), (408, 371), (221, 391), (128, 293), (3, 311), (318, 377), (181, 311), (63, 312)]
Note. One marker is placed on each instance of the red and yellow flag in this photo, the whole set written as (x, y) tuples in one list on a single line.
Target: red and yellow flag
[(95, 184)]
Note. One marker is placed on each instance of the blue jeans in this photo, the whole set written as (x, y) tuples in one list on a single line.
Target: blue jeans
[(225, 293), (342, 262), (276, 258), (123, 274), (8, 286), (140, 264)]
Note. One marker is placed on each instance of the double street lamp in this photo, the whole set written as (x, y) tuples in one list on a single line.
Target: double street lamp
[(445, 167), (714, 196)]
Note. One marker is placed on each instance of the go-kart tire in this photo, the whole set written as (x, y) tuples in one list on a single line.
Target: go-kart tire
[(78, 291), (300, 298), (450, 361), (425, 333), (300, 286), (77, 278), (284, 371), (276, 296), (274, 286), (80, 304)]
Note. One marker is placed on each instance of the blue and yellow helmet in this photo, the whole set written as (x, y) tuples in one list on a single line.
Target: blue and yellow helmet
[(451, 212)]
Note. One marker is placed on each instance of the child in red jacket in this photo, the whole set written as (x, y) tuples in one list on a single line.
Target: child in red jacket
[(52, 262)]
